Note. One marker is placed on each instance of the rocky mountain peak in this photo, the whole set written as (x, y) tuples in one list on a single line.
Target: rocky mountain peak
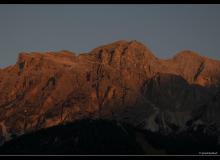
[(123, 52), (186, 55), (33, 59)]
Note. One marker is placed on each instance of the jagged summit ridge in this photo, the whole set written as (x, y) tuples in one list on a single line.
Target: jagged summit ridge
[(123, 45), (187, 54), (52, 55), (115, 51)]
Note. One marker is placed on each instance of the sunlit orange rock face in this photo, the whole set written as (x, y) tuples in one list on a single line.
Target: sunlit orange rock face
[(122, 81)]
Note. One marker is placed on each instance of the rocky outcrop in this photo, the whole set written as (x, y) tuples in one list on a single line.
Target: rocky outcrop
[(122, 81)]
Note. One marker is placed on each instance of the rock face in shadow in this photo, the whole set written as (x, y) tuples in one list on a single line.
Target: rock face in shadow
[(123, 81)]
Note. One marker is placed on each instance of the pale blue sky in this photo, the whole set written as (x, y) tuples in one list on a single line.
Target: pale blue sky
[(165, 29)]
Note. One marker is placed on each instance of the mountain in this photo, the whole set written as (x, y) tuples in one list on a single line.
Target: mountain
[(121, 81)]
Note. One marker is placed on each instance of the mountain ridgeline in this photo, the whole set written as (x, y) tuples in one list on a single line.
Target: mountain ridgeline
[(122, 81)]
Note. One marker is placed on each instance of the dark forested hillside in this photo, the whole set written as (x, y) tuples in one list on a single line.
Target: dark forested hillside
[(82, 137)]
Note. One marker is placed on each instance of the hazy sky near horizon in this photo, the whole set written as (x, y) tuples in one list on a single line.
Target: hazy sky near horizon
[(164, 29)]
